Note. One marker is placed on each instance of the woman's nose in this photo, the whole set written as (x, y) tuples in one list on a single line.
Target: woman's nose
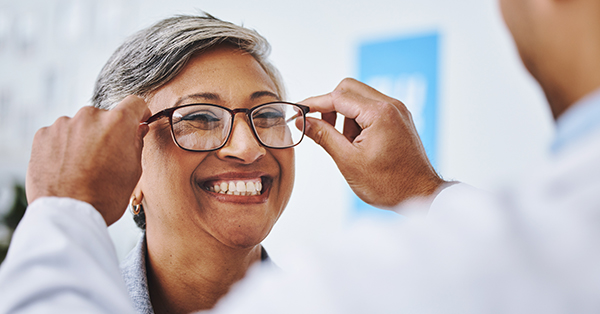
[(242, 145)]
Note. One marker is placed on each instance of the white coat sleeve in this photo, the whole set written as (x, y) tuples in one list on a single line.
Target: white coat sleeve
[(61, 260), (454, 196)]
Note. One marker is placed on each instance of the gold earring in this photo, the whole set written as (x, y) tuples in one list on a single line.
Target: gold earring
[(136, 209)]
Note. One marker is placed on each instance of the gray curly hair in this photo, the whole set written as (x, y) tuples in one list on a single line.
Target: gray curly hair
[(155, 55)]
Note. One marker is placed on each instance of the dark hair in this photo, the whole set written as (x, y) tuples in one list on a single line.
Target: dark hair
[(140, 219)]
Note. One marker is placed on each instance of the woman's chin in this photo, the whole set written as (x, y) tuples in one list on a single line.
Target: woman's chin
[(238, 235), (243, 240)]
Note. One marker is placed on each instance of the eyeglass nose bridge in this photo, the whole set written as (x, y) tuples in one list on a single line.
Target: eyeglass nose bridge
[(238, 110), (248, 120)]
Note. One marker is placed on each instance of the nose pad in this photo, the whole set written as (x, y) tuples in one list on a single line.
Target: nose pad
[(242, 145)]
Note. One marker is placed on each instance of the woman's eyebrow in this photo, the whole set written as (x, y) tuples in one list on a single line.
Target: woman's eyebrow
[(260, 94), (201, 96), (215, 97)]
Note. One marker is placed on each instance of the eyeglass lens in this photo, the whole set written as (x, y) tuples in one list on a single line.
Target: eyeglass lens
[(206, 127)]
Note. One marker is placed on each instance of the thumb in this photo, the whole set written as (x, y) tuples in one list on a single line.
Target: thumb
[(141, 133), (324, 134)]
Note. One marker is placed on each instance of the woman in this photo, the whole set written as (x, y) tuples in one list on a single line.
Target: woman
[(218, 167)]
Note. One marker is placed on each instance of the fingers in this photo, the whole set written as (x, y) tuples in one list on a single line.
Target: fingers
[(354, 100), (347, 88), (332, 102), (143, 130), (351, 129), (360, 105), (324, 134), (379, 152), (135, 107), (353, 87), (93, 157), (136, 111), (349, 84), (30, 188), (329, 117)]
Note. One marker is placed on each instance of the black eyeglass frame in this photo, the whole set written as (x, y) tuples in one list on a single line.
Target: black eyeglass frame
[(248, 111)]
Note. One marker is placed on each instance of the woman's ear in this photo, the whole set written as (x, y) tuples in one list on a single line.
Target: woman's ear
[(137, 196)]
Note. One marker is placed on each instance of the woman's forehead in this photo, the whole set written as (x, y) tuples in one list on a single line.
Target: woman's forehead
[(223, 76)]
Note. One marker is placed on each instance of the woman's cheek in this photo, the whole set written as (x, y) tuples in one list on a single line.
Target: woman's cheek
[(286, 160)]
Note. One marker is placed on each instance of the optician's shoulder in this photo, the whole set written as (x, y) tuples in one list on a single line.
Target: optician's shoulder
[(572, 167), (569, 176)]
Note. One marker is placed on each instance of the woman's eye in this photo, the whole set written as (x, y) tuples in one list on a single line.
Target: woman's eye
[(197, 116), (269, 118), (201, 120)]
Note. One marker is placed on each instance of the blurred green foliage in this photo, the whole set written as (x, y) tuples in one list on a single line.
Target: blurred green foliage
[(12, 218)]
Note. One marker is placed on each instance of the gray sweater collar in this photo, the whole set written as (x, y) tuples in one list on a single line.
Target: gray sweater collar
[(133, 268)]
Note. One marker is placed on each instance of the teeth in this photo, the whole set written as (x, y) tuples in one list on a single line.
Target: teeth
[(250, 188), (237, 188), (240, 187)]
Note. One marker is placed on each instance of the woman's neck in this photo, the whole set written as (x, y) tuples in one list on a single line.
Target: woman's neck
[(187, 275)]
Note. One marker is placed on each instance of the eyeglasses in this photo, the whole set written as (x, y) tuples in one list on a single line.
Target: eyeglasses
[(207, 127)]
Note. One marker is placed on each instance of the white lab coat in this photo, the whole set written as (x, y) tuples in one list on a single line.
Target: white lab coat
[(62, 260), (533, 248)]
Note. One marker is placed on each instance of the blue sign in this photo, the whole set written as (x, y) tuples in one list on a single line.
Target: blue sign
[(405, 68)]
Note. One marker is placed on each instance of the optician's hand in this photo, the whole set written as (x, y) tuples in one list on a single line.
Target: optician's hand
[(379, 153), (94, 157)]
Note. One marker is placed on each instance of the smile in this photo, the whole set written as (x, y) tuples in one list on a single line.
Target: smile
[(247, 187)]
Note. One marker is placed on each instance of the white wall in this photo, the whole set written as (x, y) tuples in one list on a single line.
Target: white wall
[(493, 120)]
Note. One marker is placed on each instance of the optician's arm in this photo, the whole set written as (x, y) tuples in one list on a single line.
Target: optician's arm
[(61, 260)]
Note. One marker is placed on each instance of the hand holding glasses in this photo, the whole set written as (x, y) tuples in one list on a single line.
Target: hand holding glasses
[(207, 127)]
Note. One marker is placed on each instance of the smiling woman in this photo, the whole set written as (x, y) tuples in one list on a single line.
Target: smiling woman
[(218, 162)]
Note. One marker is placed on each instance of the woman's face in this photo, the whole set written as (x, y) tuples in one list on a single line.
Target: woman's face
[(175, 183)]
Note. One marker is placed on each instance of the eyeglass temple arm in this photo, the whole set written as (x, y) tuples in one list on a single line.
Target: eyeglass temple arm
[(305, 110), (157, 116)]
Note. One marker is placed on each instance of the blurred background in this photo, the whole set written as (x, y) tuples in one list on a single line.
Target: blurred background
[(481, 116)]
